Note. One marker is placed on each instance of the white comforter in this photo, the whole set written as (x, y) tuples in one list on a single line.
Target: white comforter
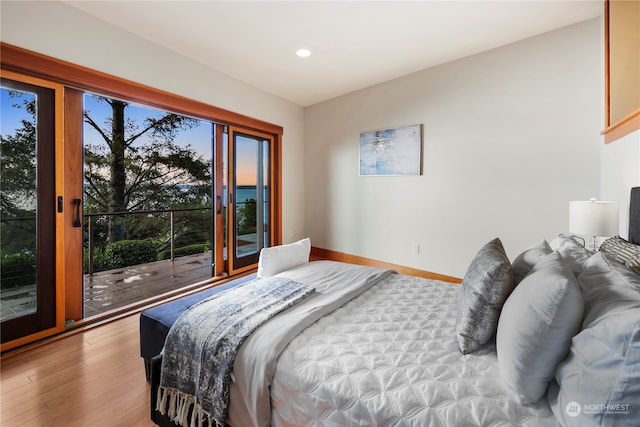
[(335, 284), (386, 358)]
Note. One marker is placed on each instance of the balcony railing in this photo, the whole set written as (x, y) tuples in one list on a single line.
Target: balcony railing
[(166, 235), (166, 229)]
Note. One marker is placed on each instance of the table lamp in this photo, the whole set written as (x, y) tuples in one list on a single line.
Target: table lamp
[(593, 218)]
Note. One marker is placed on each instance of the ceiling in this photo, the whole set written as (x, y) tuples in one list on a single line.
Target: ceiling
[(354, 44)]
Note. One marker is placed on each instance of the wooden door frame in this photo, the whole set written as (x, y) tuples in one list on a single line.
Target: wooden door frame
[(218, 203), (60, 217), (274, 218), (73, 163)]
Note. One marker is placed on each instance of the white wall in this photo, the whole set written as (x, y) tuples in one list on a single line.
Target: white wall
[(620, 172), (61, 31), (510, 137)]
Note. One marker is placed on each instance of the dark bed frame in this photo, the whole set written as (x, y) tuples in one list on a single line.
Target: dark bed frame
[(634, 216)]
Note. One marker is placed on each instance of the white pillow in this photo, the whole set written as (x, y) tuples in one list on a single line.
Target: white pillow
[(575, 257), (536, 326), (562, 239), (574, 254), (276, 259)]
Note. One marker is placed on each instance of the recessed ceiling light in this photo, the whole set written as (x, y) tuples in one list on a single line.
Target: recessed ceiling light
[(303, 53)]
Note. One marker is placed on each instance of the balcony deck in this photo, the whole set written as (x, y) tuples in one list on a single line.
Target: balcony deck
[(113, 289)]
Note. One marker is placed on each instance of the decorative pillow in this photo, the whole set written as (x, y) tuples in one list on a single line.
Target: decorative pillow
[(599, 382), (536, 326), (633, 264), (276, 259), (623, 251), (486, 285), (524, 262), (619, 249)]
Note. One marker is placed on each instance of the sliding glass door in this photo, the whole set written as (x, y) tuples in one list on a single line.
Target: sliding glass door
[(80, 172), (28, 210), (169, 201)]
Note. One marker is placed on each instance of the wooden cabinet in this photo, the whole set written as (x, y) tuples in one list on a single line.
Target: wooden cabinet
[(622, 73)]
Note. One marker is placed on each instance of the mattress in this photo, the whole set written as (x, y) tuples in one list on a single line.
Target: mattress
[(389, 358)]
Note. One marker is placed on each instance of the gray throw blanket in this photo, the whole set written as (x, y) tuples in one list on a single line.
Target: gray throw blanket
[(201, 347)]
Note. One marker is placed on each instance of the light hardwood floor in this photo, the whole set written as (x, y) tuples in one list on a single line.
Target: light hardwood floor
[(91, 378)]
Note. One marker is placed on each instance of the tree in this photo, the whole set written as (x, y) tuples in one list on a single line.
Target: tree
[(247, 214), (140, 167), (18, 180)]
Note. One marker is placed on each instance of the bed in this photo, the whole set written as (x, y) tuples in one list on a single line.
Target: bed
[(550, 336)]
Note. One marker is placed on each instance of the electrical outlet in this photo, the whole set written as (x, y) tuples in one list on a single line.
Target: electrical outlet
[(416, 248)]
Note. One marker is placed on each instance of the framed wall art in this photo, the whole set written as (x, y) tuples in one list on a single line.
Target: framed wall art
[(391, 152)]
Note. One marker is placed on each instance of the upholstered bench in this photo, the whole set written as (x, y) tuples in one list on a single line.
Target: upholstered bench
[(156, 322)]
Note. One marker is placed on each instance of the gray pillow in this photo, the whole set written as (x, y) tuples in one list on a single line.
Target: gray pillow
[(524, 262), (486, 285), (599, 382), (536, 326)]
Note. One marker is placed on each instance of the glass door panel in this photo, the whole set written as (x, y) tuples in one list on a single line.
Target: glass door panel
[(248, 219), (27, 211), (245, 190)]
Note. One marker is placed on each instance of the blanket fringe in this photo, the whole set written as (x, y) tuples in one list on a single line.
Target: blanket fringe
[(178, 406)]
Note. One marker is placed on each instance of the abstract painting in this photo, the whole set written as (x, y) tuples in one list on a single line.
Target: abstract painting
[(391, 152)]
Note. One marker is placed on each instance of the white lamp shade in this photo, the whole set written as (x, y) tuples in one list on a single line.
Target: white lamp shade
[(593, 218)]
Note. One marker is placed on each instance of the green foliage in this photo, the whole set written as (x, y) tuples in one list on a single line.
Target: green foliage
[(184, 251), (100, 261), (247, 217), (159, 174), (18, 179), (18, 157), (140, 167), (18, 269), (129, 252)]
